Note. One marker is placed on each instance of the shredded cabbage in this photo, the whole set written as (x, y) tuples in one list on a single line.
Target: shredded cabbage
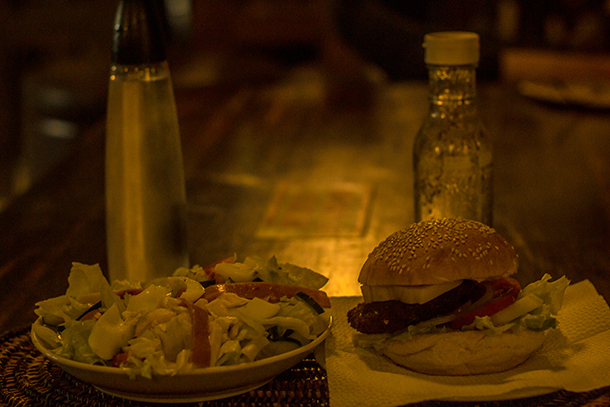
[(254, 267), (151, 332), (75, 343)]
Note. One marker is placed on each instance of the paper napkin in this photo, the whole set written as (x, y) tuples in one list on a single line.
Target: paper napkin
[(574, 357)]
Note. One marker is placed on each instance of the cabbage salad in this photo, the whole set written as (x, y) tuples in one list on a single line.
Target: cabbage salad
[(170, 325), (534, 309)]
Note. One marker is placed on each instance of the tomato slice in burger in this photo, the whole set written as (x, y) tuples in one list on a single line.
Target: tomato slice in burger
[(505, 290)]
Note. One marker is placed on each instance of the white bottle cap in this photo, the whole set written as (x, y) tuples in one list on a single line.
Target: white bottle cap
[(451, 48)]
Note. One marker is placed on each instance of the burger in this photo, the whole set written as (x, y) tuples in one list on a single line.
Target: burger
[(438, 299)]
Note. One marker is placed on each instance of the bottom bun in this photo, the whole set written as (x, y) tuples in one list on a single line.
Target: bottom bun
[(464, 352)]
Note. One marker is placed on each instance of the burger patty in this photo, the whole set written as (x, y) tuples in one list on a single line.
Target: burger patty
[(392, 316)]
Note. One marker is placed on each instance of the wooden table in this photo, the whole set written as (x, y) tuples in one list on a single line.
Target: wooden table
[(317, 174)]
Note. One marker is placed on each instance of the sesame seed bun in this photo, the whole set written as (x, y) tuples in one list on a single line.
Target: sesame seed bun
[(464, 352), (438, 251)]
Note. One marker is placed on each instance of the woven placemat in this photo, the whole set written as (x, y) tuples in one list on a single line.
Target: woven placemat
[(27, 378)]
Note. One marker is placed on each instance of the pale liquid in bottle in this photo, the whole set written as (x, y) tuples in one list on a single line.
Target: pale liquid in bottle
[(454, 181), (145, 192)]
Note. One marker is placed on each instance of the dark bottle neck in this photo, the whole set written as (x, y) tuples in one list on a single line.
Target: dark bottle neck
[(452, 87), (138, 33)]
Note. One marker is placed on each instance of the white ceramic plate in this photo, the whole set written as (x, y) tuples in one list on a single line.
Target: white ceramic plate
[(199, 385)]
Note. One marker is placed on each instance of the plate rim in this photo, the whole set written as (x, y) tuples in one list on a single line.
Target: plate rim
[(184, 398)]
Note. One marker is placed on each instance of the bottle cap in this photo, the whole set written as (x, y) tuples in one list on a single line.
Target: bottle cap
[(451, 48), (138, 33)]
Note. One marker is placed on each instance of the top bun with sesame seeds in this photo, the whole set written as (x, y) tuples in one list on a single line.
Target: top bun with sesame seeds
[(439, 251)]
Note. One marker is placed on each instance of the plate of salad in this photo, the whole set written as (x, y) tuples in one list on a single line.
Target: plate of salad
[(198, 334)]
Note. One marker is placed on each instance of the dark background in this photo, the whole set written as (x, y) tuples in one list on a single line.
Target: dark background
[(55, 54)]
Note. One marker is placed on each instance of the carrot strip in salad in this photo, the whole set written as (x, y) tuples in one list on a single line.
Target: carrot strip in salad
[(200, 340)]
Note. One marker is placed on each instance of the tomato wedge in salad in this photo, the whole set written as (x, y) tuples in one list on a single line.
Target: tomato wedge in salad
[(209, 270), (500, 293)]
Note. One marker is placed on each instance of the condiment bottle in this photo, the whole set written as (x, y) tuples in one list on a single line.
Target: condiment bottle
[(452, 153), (145, 191)]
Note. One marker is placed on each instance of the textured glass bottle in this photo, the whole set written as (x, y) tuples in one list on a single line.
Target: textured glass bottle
[(452, 154), (145, 192)]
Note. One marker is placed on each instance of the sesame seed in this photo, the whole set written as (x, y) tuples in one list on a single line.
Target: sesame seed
[(423, 238)]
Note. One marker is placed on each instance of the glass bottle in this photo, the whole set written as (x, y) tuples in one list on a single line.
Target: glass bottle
[(452, 153), (145, 190)]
